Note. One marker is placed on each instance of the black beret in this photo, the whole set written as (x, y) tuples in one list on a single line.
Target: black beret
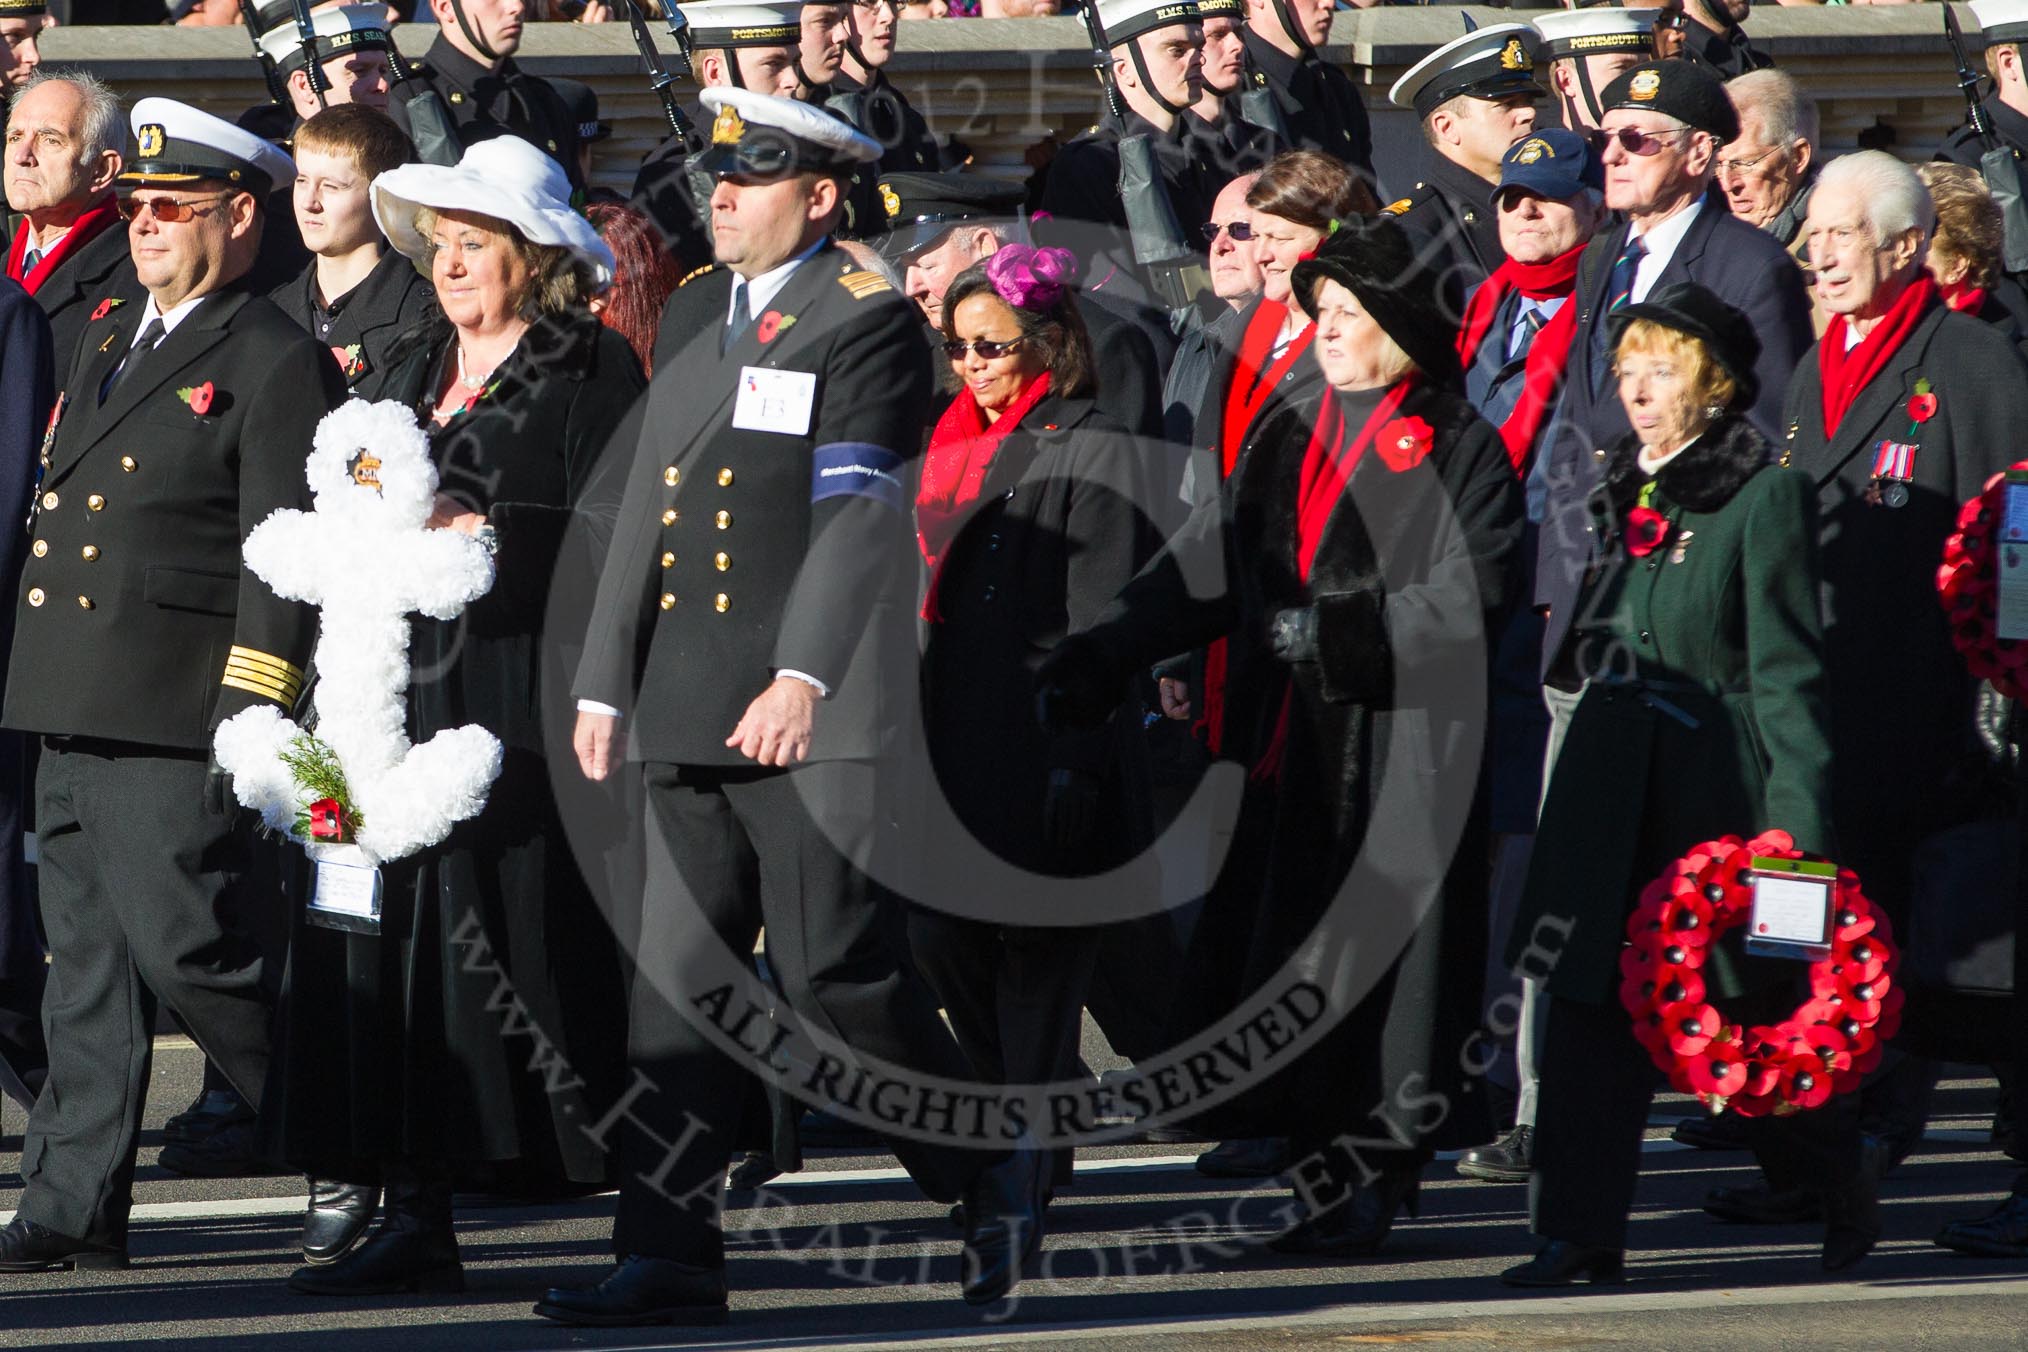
[(1689, 93), (1698, 312), (921, 208)]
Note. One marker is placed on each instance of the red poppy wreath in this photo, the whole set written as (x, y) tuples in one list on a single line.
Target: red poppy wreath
[(1968, 582), (1820, 1050)]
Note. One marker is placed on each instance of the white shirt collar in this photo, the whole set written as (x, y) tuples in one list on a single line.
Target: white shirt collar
[(762, 290), (171, 318), (1662, 242), (1652, 464)]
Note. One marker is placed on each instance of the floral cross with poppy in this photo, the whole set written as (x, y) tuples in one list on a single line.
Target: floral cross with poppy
[(199, 397), (1404, 443)]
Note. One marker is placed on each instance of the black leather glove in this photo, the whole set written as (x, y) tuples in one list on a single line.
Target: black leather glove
[(1293, 635), (1070, 809), (218, 797), (1075, 687)]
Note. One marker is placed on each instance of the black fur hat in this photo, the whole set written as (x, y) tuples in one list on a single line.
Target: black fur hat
[(1376, 261), (1694, 310)]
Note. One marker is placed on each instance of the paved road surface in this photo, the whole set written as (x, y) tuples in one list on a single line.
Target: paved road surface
[(1144, 1255)]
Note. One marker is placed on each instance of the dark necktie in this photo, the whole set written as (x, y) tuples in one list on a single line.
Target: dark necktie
[(741, 321), (29, 258), (136, 354), (1622, 289), (1524, 333)]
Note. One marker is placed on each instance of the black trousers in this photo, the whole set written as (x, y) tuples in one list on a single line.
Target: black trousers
[(747, 849), (1597, 1085), (134, 876)]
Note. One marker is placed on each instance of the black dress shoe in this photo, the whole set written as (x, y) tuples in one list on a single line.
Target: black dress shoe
[(395, 1260), (337, 1219), (1511, 1159), (230, 1152), (1358, 1226), (1727, 1131), (750, 1170), (28, 1247), (1003, 1224), (2000, 1233), (1263, 1157), (1561, 1263), (1852, 1212), (208, 1113), (1758, 1204), (641, 1291)]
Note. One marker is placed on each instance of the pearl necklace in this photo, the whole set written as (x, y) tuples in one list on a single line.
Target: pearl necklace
[(473, 383)]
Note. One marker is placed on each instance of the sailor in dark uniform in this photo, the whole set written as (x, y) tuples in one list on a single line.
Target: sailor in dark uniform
[(1320, 106), (1476, 97), (1713, 38), (862, 94), (2003, 26), (738, 46), (471, 67), (1586, 50), (1156, 65), (1216, 124), (137, 631)]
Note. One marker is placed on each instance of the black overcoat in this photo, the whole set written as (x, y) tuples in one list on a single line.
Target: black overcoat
[(1411, 578), (375, 315), (401, 1046), (68, 296)]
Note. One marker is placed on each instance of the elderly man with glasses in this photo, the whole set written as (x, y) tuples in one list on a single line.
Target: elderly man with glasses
[(137, 632), (1767, 173), (1664, 128)]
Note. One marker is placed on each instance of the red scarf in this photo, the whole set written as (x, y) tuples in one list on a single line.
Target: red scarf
[(1843, 374), (1963, 298), (94, 222), (1548, 355), (1257, 374), (954, 468), (1328, 462)]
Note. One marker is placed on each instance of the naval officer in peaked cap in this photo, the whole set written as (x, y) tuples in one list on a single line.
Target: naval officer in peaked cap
[(185, 421)]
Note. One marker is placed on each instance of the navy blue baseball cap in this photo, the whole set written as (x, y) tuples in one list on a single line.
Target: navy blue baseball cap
[(1552, 162)]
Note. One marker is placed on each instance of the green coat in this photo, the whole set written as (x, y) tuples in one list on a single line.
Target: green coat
[(1705, 714)]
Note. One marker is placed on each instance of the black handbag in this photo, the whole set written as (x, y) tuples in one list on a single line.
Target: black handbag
[(1964, 909)]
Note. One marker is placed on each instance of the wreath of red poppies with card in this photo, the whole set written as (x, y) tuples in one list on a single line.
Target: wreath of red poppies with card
[(1969, 584), (1820, 1050)]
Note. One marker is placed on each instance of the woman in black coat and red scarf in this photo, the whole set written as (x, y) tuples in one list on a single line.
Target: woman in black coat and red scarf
[(1368, 542), (1031, 517)]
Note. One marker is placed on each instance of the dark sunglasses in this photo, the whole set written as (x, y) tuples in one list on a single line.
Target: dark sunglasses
[(1632, 140), (1239, 230), (169, 210), (1672, 19), (985, 347)]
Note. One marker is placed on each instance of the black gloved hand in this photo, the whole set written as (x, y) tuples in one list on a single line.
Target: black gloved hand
[(1293, 635), (1070, 809), (1075, 687), (218, 796)]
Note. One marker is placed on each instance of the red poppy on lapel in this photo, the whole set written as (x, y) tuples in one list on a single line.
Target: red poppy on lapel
[(106, 307), (351, 364), (1922, 404), (199, 397), (1404, 443), (1646, 530), (772, 323)]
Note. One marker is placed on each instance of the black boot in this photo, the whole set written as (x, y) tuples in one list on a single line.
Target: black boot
[(1003, 1224), (1852, 1212), (1562, 1263), (1511, 1159), (1360, 1224), (2000, 1233), (337, 1219), (415, 1249)]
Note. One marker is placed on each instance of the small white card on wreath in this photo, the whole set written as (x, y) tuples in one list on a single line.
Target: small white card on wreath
[(1791, 908)]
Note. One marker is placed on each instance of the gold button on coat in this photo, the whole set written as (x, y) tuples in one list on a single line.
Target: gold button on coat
[(669, 517), (721, 603), (41, 548), (668, 558), (84, 602), (49, 502), (725, 478), (723, 519), (127, 463), (96, 503), (672, 476), (90, 552), (668, 600), (35, 596), (721, 561)]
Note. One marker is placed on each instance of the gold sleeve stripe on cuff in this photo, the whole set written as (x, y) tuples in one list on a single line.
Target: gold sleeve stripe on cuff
[(254, 680), (261, 688), (276, 666)]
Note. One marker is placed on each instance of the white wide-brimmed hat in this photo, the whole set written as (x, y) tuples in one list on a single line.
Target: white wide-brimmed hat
[(505, 178)]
